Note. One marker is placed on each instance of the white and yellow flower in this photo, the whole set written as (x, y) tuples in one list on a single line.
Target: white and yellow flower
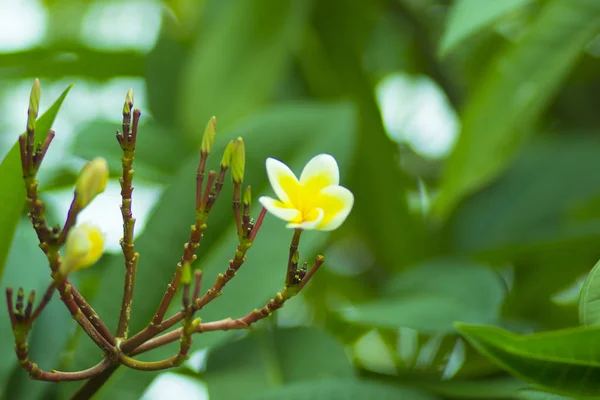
[(83, 247), (315, 201)]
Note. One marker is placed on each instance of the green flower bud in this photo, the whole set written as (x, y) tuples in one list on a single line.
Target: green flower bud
[(208, 140), (186, 274), (128, 102), (227, 154), (247, 196), (34, 105), (238, 161)]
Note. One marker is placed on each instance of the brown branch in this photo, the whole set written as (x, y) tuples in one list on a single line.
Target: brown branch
[(240, 323), (292, 268), (70, 222), (59, 376), (65, 290), (237, 199), (91, 315), (45, 300), (126, 181)]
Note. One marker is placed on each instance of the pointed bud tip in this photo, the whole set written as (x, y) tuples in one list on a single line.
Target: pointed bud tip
[(208, 140), (128, 102), (129, 96), (248, 196), (227, 154), (34, 104), (238, 161)]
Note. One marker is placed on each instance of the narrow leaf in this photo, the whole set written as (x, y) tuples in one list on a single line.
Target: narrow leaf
[(346, 389), (12, 193), (566, 362), (512, 93), (589, 299), (469, 17)]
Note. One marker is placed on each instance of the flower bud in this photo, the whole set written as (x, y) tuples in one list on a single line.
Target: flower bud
[(186, 274), (34, 105), (227, 154), (209, 136), (83, 247), (91, 182), (128, 102), (238, 161), (247, 196)]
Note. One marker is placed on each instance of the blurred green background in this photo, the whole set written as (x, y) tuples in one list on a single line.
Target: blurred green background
[(467, 131)]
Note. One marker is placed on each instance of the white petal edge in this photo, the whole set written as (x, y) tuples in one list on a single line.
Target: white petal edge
[(309, 224), (286, 214), (347, 199), (322, 164), (275, 170)]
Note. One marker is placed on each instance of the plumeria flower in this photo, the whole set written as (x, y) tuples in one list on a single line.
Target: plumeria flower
[(315, 201)]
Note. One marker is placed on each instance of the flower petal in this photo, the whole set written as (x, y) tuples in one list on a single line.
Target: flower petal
[(309, 224), (336, 202), (283, 181), (278, 209), (321, 171)]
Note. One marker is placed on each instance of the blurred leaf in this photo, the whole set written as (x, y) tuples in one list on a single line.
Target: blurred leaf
[(346, 389), (268, 359), (531, 394), (309, 129), (12, 195), (68, 60), (495, 388), (163, 76), (566, 361), (589, 300), (512, 93), (468, 17), (537, 202), (97, 139), (333, 64), (237, 63), (431, 297)]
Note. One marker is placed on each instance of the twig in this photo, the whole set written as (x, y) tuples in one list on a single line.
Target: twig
[(45, 300), (128, 143)]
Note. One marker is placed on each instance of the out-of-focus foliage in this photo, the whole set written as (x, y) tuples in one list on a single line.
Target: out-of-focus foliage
[(446, 264)]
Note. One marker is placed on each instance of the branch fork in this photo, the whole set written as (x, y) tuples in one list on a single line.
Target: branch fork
[(119, 348)]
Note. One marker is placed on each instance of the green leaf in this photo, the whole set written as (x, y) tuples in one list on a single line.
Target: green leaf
[(309, 129), (334, 67), (589, 299), (565, 362), (431, 297), (512, 93), (530, 394), (494, 388), (469, 17), (346, 389), (536, 202), (267, 359), (238, 61), (12, 191)]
